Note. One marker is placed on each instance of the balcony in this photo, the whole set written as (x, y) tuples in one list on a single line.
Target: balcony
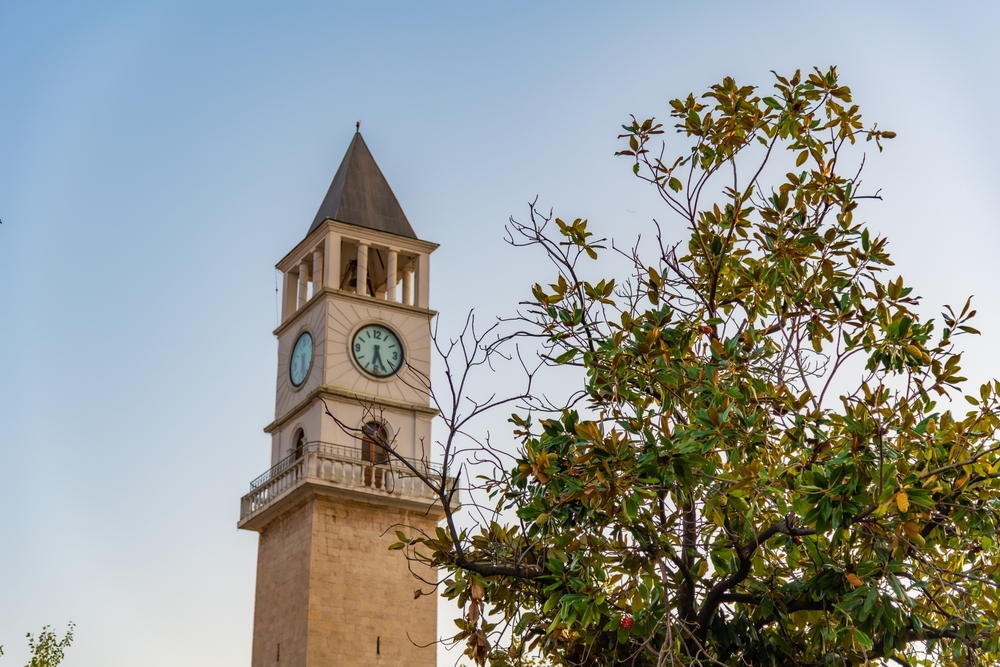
[(337, 468)]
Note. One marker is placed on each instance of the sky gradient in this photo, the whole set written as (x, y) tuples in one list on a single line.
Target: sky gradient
[(158, 158)]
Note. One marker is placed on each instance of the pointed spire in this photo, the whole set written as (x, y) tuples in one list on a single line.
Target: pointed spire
[(359, 195)]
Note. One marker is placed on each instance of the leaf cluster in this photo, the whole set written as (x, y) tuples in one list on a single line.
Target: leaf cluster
[(764, 465)]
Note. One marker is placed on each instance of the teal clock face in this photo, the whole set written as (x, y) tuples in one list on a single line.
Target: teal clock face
[(301, 362), (377, 350)]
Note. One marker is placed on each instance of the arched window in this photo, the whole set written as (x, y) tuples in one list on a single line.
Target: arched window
[(374, 440), (300, 444)]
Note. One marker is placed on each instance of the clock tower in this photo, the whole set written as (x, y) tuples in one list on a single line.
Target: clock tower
[(354, 354)]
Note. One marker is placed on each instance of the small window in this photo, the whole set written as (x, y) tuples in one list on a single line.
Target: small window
[(375, 439), (300, 443), (374, 442)]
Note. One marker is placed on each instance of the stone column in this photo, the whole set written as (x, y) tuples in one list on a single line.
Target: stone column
[(317, 270), (423, 281), (408, 284), (362, 277), (390, 277), (303, 283), (289, 296), (332, 275)]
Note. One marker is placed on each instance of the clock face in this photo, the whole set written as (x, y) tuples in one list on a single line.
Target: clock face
[(301, 362), (377, 350)]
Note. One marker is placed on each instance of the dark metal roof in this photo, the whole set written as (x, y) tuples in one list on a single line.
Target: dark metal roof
[(359, 195)]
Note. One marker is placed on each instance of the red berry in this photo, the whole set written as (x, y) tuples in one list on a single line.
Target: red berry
[(626, 623)]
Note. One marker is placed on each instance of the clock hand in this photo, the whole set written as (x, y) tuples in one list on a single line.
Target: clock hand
[(377, 358)]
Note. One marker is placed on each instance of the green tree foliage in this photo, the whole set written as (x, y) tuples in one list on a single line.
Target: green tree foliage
[(770, 461), (47, 650)]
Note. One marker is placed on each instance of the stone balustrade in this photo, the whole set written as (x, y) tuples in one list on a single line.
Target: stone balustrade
[(341, 467)]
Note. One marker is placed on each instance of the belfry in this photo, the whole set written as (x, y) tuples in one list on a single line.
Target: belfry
[(354, 341)]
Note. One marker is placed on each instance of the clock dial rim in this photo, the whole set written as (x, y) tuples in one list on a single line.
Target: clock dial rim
[(377, 324), (291, 360)]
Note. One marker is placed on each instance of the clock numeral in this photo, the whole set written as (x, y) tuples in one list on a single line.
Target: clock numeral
[(378, 334), (357, 347), (395, 356)]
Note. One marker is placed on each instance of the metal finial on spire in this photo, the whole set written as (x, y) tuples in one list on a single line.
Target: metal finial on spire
[(358, 126)]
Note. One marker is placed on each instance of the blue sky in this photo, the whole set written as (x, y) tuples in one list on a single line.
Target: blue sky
[(158, 158)]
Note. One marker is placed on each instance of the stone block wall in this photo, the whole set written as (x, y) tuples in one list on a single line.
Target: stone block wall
[(331, 593), (281, 605)]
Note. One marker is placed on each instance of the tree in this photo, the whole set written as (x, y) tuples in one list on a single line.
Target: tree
[(762, 464), (47, 650)]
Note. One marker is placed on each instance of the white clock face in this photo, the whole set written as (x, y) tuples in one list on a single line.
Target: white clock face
[(377, 350), (302, 355)]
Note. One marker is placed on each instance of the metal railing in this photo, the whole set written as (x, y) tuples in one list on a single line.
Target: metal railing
[(342, 466), (278, 468)]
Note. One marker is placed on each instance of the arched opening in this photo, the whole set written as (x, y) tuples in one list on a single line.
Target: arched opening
[(374, 441), (300, 444)]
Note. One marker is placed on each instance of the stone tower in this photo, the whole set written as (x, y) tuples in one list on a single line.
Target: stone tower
[(354, 339)]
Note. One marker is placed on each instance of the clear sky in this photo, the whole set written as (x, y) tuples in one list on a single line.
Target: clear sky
[(158, 158)]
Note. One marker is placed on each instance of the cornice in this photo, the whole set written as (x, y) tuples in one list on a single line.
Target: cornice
[(357, 298), (354, 232), (353, 396), (305, 492)]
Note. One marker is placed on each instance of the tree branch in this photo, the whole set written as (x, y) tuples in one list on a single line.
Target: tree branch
[(745, 552)]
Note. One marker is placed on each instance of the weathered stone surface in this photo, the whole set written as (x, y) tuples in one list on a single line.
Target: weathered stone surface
[(329, 591)]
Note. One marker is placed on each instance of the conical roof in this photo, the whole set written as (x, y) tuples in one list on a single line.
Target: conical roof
[(359, 195)]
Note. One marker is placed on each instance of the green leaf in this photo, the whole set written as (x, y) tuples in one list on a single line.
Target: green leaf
[(567, 356)]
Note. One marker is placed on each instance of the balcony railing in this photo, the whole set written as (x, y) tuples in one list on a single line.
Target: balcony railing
[(338, 466)]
